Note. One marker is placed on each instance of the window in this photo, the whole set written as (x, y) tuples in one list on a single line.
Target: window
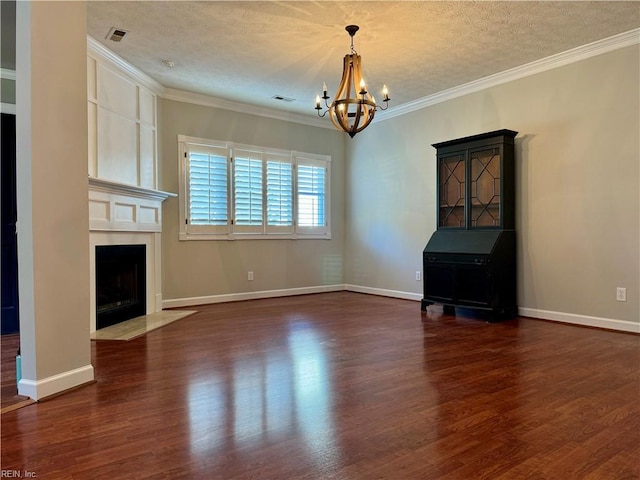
[(208, 192), (280, 193), (247, 190), (230, 191), (311, 195)]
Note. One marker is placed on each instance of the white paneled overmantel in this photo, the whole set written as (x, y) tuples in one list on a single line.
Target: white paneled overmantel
[(122, 118), (125, 203)]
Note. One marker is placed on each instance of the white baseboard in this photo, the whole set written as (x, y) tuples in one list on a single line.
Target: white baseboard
[(384, 292), (39, 389), (584, 320), (234, 297), (158, 303)]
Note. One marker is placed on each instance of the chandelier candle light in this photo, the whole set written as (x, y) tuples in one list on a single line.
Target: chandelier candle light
[(352, 108)]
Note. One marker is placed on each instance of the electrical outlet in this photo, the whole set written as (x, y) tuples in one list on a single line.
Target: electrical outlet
[(250, 276), (418, 276), (621, 294)]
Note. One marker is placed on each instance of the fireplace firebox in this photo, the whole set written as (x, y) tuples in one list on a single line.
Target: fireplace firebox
[(120, 283)]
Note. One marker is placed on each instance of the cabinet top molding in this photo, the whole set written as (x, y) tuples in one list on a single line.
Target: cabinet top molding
[(506, 134)]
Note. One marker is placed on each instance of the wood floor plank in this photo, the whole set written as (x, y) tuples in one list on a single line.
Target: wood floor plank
[(9, 398), (342, 386)]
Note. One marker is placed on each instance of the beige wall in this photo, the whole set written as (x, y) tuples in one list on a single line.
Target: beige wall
[(578, 204), (53, 216), (209, 268)]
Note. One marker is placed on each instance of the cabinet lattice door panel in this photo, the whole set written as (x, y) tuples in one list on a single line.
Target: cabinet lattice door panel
[(485, 188), (452, 191)]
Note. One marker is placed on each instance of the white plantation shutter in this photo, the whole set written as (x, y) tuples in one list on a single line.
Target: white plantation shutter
[(230, 191), (279, 182), (247, 181), (311, 196), (208, 200)]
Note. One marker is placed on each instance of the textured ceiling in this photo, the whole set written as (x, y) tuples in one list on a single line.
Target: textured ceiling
[(248, 52)]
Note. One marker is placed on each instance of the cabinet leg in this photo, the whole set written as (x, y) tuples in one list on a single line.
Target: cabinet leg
[(498, 315), (507, 313), (424, 305)]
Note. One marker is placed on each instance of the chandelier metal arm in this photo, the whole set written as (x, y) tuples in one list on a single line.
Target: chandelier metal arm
[(386, 103), (323, 114)]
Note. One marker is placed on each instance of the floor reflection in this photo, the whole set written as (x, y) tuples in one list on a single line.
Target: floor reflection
[(207, 409), (312, 392), (268, 397)]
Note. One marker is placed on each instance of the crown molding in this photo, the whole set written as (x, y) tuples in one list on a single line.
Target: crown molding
[(97, 50), (8, 74), (209, 101), (577, 54)]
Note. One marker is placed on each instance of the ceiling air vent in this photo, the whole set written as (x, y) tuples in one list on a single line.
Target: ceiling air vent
[(116, 34), (283, 99)]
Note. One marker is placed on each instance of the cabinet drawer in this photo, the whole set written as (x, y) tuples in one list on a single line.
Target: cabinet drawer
[(456, 259)]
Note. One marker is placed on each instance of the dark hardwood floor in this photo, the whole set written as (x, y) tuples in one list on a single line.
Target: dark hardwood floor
[(342, 386), (10, 344), (9, 398)]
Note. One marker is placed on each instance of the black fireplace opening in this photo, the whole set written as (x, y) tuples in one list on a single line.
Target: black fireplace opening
[(121, 283)]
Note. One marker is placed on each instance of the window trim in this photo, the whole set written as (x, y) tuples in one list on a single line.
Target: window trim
[(230, 231)]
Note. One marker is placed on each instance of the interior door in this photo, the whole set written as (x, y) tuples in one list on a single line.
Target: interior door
[(9, 256)]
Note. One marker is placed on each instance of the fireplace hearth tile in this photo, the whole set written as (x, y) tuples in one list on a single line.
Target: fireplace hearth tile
[(135, 327)]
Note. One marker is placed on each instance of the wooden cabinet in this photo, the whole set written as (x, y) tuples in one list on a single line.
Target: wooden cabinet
[(470, 259)]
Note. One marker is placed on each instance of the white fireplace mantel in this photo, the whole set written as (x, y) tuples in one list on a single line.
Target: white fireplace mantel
[(116, 206), (101, 185), (121, 214)]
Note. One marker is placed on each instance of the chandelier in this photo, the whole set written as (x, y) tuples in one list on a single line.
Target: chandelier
[(352, 108)]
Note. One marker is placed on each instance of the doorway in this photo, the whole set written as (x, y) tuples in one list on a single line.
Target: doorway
[(9, 321)]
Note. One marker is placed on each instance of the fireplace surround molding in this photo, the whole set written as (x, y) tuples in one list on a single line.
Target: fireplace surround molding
[(121, 214)]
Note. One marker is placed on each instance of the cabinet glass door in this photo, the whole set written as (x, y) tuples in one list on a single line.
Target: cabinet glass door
[(484, 172), (452, 191)]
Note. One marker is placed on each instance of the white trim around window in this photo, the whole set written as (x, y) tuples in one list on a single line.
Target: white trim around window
[(230, 191)]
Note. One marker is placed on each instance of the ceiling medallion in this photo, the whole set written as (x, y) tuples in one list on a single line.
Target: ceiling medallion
[(352, 108)]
